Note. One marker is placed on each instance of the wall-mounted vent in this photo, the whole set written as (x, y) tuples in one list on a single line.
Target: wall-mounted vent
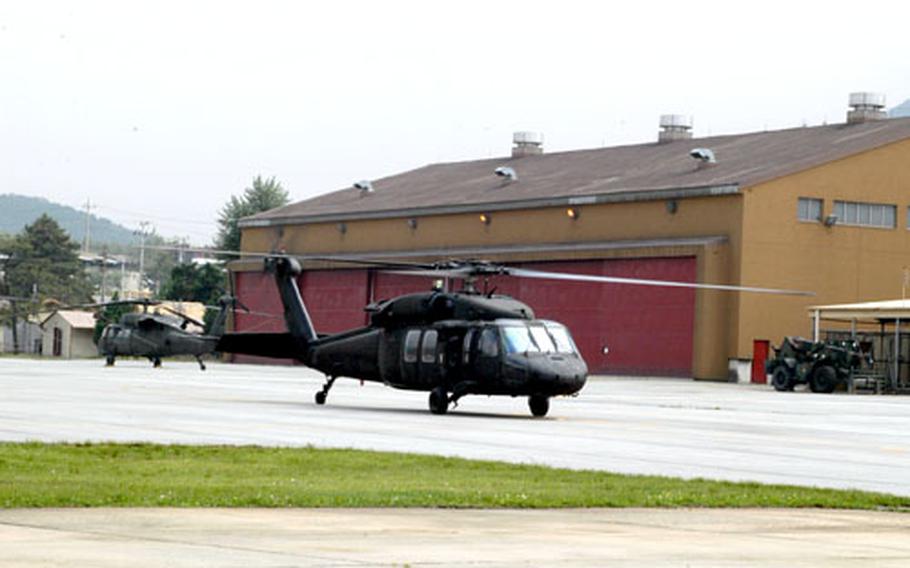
[(364, 186), (527, 144), (674, 127), (865, 107), (508, 174), (705, 157)]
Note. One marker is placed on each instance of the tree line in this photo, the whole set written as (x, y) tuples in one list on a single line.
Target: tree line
[(40, 266)]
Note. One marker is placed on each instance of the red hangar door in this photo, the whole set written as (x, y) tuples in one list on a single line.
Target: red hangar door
[(646, 330)]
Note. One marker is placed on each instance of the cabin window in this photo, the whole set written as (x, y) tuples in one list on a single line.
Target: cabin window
[(466, 347), (411, 340), (489, 343), (809, 209), (865, 214), (428, 351)]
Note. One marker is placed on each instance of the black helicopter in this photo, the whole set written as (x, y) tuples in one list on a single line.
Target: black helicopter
[(448, 343), (155, 336)]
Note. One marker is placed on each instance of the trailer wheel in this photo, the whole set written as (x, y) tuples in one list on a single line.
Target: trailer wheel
[(781, 379), (824, 379)]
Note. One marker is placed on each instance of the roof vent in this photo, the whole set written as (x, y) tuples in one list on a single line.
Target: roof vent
[(364, 186), (527, 144), (674, 127), (506, 172), (866, 107), (705, 157)]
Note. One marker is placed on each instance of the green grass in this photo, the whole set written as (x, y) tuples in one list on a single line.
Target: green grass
[(145, 475)]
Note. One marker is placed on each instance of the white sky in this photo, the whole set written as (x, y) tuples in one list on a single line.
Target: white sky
[(161, 110)]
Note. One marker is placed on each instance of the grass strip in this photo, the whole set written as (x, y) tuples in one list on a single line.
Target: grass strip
[(149, 475)]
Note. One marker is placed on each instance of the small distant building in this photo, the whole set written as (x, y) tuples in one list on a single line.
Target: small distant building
[(28, 337), (68, 334)]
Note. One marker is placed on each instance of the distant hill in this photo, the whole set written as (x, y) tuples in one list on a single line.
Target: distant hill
[(20, 210), (901, 110)]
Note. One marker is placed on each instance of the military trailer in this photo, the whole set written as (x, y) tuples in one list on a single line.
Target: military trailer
[(824, 365)]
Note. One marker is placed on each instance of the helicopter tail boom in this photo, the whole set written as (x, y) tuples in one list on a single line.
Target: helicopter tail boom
[(296, 316), (274, 345)]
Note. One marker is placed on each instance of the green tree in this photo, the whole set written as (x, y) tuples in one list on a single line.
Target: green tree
[(44, 264), (41, 263), (262, 196), (191, 283)]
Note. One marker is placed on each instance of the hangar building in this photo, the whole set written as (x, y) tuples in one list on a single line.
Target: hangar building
[(824, 209)]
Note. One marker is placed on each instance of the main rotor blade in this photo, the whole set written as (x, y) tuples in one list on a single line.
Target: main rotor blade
[(184, 316), (525, 273), (352, 259)]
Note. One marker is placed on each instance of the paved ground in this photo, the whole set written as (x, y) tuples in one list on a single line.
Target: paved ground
[(668, 427), (178, 538)]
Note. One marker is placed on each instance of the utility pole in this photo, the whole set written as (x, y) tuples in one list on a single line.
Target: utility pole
[(104, 274), (145, 229), (86, 237)]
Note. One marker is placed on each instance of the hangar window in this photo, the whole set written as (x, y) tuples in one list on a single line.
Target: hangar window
[(866, 214), (809, 209)]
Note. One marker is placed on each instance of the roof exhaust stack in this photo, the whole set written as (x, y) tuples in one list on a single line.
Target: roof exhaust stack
[(674, 127), (866, 107), (527, 144)]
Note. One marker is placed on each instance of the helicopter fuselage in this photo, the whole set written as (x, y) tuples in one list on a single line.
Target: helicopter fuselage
[(500, 357)]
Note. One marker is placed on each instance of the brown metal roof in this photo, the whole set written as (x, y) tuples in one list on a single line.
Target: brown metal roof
[(643, 171)]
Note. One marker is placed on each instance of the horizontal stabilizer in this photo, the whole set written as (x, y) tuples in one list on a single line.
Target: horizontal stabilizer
[(275, 345)]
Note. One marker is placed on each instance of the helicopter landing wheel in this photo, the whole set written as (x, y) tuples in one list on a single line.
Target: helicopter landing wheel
[(539, 405), (109, 361), (439, 401), (320, 397), (156, 362)]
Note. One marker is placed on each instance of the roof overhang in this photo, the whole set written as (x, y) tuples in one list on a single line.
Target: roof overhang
[(511, 205), (887, 310), (487, 251)]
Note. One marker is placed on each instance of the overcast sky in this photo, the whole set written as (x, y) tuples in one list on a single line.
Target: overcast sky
[(160, 110)]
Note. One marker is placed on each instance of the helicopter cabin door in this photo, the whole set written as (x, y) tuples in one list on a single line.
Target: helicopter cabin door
[(422, 357)]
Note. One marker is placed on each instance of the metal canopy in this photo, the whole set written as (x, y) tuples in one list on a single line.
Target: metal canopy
[(886, 310)]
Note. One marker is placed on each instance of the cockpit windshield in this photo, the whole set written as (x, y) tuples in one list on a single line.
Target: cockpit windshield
[(518, 340), (537, 338), (561, 337)]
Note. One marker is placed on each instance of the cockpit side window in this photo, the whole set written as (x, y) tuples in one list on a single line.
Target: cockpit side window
[(411, 340), (489, 343)]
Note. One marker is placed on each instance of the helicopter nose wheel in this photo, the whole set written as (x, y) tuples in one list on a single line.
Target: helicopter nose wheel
[(539, 405), (109, 361), (439, 401), (324, 393)]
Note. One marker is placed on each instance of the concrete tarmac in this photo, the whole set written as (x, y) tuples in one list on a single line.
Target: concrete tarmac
[(672, 427), (178, 538)]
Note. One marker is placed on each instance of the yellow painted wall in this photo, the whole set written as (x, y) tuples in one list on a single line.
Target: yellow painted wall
[(715, 328), (840, 263)]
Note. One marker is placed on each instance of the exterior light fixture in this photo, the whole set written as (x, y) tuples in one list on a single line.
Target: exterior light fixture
[(342, 228), (672, 206), (572, 213), (485, 218), (412, 223)]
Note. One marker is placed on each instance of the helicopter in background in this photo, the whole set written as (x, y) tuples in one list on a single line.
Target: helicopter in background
[(450, 344), (156, 335)]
